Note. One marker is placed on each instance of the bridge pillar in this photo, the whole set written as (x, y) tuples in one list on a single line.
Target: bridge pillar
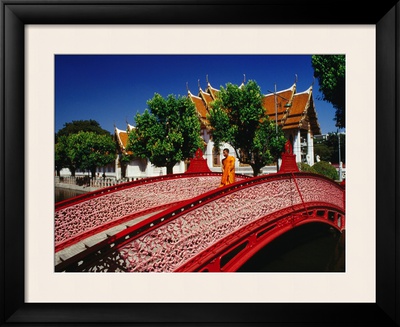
[(288, 159), (198, 164)]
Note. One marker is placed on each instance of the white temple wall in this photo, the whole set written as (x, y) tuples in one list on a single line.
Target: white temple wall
[(297, 146), (208, 151), (139, 168), (118, 170), (136, 168)]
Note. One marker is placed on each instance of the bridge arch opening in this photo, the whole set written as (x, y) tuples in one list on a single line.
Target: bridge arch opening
[(312, 247)]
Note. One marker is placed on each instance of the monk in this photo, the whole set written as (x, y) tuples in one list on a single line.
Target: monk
[(228, 169)]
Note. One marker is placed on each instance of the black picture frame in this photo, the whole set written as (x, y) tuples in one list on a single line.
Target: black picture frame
[(15, 14)]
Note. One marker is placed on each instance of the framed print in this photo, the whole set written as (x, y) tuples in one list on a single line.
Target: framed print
[(238, 306)]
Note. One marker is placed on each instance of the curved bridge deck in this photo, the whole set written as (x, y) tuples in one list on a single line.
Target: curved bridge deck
[(205, 229), (96, 215)]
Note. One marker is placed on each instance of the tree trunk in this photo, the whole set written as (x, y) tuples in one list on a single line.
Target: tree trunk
[(123, 169), (256, 169), (170, 168)]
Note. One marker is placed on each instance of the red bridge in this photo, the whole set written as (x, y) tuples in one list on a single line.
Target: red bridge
[(185, 223)]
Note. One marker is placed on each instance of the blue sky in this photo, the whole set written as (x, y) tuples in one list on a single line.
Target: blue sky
[(111, 89)]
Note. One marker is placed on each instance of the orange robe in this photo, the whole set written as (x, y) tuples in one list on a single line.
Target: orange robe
[(228, 171)]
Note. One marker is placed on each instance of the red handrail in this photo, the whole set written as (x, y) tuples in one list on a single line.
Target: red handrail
[(169, 214)]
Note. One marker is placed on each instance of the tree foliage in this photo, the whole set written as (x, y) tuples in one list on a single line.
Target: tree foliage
[(328, 149), (167, 132), (323, 151), (77, 126), (306, 167), (83, 144), (326, 169), (330, 70), (61, 156), (88, 150), (237, 117), (322, 168)]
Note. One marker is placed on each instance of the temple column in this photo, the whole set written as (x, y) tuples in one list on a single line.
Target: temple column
[(310, 148), (118, 173), (209, 153), (297, 146)]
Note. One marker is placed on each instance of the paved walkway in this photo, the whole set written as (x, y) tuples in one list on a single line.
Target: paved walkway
[(95, 239), (76, 187)]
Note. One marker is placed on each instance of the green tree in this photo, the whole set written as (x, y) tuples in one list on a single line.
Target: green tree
[(323, 151), (61, 156), (166, 133), (124, 160), (330, 70), (77, 126), (305, 167), (328, 149), (237, 117), (333, 143), (88, 150), (326, 169), (62, 159)]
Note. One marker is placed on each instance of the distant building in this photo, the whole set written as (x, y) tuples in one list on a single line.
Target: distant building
[(294, 112), (320, 138)]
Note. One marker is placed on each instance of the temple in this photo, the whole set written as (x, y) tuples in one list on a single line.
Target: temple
[(294, 112)]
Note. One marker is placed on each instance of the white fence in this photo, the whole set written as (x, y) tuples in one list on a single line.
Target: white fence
[(86, 181)]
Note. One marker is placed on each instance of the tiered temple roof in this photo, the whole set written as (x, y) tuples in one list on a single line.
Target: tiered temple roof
[(121, 137), (202, 103), (201, 108), (277, 104), (291, 110)]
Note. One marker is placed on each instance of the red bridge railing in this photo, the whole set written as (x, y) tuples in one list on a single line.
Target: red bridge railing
[(88, 214), (122, 186), (203, 232)]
